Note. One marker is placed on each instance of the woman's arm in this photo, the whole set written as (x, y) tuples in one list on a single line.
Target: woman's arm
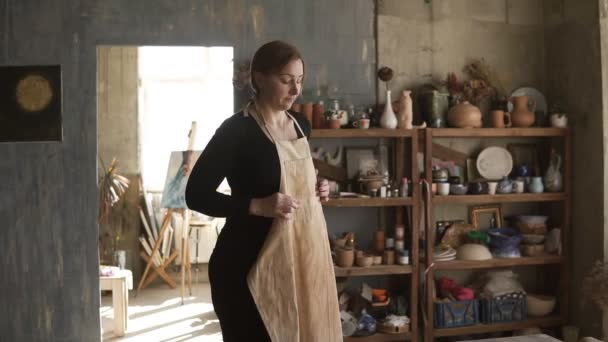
[(214, 164)]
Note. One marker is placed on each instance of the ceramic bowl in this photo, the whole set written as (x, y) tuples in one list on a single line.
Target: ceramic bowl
[(458, 189), (531, 228), (540, 305), (478, 188), (365, 261), (473, 251), (532, 250), (372, 182), (532, 219), (533, 239), (377, 260), (504, 238)]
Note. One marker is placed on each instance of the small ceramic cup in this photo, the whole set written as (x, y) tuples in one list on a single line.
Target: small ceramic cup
[(361, 123), (492, 188), (443, 189), (518, 187)]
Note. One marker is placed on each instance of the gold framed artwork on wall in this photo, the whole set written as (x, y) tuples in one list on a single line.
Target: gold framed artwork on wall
[(30, 103)]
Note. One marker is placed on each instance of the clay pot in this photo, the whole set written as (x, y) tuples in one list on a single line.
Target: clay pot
[(333, 123), (521, 116), (464, 115), (345, 257)]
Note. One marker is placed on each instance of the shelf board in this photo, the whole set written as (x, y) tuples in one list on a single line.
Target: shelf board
[(361, 133), (369, 202), (379, 337), (499, 132), (372, 270), (501, 198), (486, 328), (494, 263)]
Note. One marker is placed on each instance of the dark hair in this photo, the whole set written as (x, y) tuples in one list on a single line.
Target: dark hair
[(272, 57)]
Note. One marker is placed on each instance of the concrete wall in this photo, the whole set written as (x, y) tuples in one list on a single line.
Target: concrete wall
[(48, 196), (118, 137), (117, 84), (574, 75), (423, 42)]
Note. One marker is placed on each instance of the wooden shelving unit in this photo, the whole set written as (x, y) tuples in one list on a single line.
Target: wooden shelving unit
[(362, 133), (562, 199), (545, 322), (369, 202), (497, 132), (509, 198), (497, 263), (372, 270), (403, 168), (379, 337)]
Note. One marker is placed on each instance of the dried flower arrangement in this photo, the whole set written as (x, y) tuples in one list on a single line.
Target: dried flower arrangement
[(484, 83), (385, 74), (112, 187), (595, 285)]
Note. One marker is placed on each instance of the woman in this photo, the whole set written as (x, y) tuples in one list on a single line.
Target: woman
[(271, 272)]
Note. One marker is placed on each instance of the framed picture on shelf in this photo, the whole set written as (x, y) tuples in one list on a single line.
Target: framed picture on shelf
[(485, 216), (361, 160)]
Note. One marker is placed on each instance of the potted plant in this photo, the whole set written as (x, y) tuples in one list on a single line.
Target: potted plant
[(112, 186), (333, 118)]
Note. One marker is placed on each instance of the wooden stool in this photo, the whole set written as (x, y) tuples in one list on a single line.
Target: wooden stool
[(120, 284)]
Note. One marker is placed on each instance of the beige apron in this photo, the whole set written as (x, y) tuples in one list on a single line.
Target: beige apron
[(292, 281)]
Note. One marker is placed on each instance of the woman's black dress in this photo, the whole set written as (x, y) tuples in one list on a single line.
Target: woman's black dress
[(240, 152)]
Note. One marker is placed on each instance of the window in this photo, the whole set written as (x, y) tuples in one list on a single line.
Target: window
[(179, 85)]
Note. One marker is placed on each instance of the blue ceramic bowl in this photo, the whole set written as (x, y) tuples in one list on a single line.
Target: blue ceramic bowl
[(504, 238), (458, 189)]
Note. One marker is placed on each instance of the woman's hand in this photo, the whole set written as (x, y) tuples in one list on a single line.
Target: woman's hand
[(275, 205), (322, 189)]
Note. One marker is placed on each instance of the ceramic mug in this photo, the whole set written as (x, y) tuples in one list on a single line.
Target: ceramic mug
[(361, 123), (518, 187), (443, 189), (501, 119), (492, 188)]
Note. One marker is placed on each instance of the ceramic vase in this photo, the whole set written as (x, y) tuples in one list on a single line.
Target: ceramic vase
[(536, 185), (388, 118), (553, 177)]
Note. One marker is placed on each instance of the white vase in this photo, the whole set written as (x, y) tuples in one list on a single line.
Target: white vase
[(388, 118)]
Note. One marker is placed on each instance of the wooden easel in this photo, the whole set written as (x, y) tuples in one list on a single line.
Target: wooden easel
[(159, 270)]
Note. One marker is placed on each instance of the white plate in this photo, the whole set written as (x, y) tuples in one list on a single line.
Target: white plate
[(533, 94), (494, 162)]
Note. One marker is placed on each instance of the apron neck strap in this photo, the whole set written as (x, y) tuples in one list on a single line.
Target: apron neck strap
[(259, 118)]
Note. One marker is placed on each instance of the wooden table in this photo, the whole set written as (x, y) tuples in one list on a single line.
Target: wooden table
[(527, 338), (120, 284)]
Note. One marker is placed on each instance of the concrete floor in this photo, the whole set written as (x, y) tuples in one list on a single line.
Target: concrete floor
[(156, 314)]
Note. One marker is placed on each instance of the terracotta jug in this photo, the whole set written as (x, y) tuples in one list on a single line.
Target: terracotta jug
[(464, 115), (522, 116)]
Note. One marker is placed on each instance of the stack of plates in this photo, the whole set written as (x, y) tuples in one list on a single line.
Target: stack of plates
[(444, 252)]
